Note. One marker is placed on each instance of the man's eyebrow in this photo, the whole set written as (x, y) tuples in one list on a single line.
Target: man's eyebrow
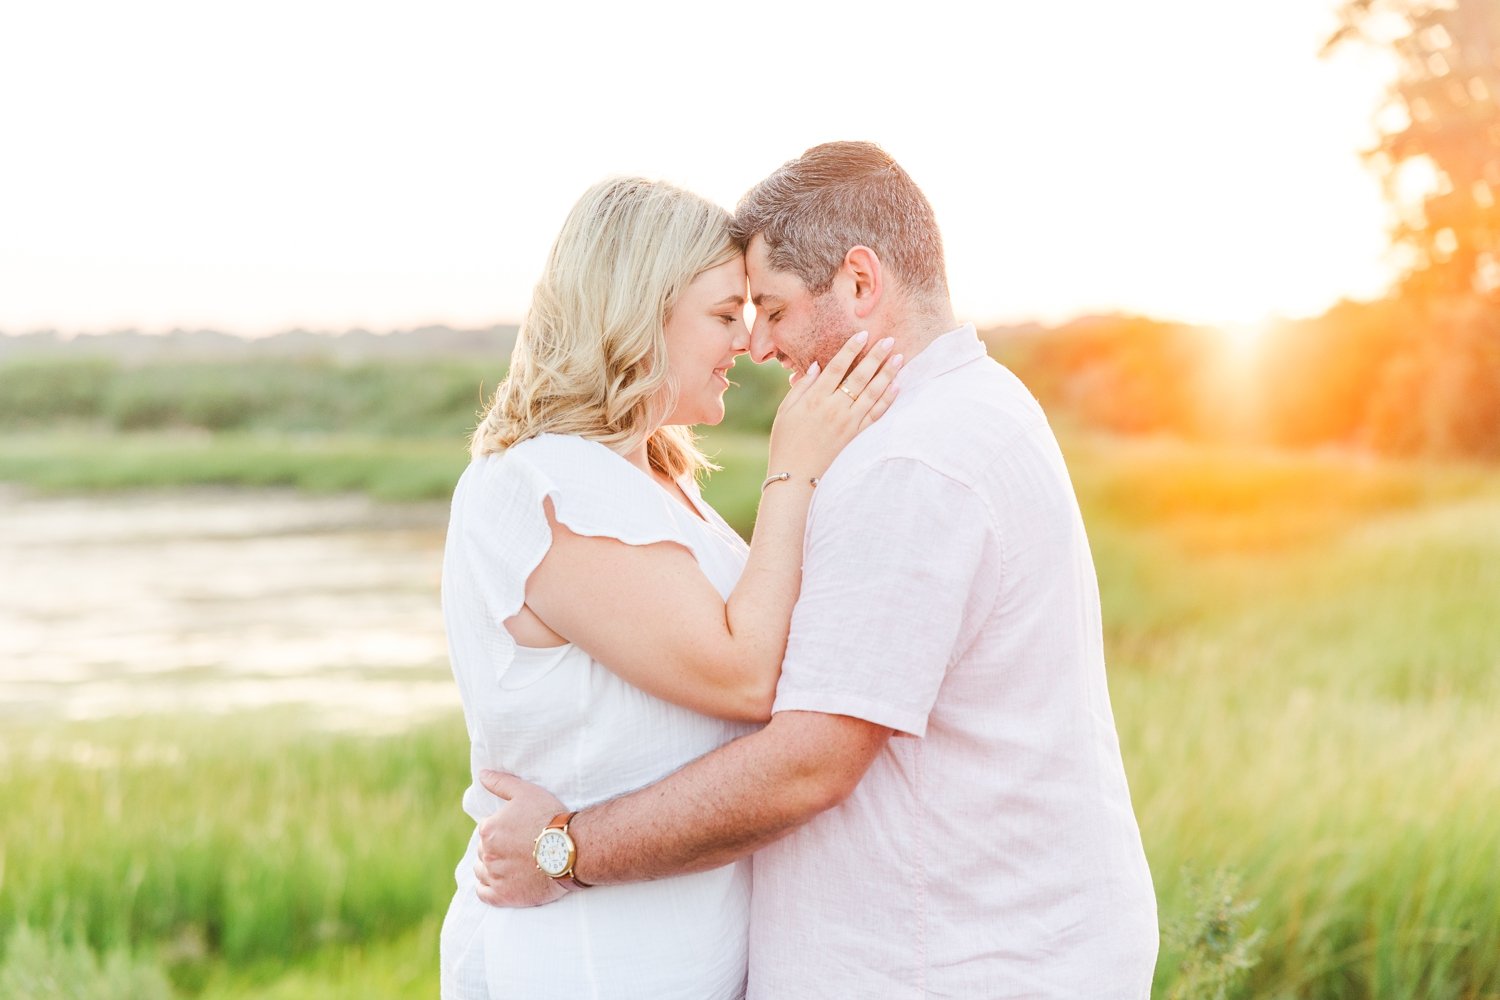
[(730, 300)]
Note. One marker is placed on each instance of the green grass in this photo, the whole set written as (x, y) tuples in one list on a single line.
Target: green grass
[(411, 468), (396, 431), (1305, 671), (1304, 664), (256, 395), (436, 398), (253, 843)]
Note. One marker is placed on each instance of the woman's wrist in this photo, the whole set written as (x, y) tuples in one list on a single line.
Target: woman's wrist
[(787, 477)]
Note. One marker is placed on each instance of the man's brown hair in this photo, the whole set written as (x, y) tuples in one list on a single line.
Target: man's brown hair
[(840, 195)]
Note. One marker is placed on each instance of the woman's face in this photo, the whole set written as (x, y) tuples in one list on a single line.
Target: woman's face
[(705, 332)]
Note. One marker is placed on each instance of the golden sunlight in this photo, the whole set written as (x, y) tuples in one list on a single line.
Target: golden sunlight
[(1243, 341)]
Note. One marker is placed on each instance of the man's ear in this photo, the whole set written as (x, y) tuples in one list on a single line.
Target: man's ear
[(863, 270)]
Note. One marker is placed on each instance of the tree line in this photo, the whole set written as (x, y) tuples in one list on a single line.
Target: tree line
[(1417, 372)]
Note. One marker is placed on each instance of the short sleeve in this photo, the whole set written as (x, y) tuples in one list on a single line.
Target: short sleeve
[(498, 531), (891, 568)]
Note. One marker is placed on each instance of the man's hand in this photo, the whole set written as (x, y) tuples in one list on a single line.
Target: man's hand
[(507, 873)]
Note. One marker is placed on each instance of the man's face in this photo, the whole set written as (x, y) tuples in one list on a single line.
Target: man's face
[(791, 324)]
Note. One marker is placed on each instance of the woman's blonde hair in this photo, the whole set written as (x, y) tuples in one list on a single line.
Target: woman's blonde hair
[(591, 356)]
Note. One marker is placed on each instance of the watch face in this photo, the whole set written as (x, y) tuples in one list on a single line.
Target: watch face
[(552, 852)]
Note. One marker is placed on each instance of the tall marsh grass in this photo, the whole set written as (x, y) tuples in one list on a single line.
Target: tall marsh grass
[(1305, 667), (436, 397), (1304, 658), (253, 842)]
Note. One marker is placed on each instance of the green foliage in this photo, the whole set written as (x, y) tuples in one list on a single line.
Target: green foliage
[(283, 396), (1443, 112), (734, 491), (395, 430), (1302, 666), (1388, 376), (750, 405), (43, 393), (1121, 374), (398, 969), (1322, 376), (1440, 394), (390, 469), (262, 395), (36, 967), (1211, 935), (1401, 377), (1431, 377), (253, 841)]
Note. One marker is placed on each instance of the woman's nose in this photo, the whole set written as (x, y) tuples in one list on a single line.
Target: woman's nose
[(760, 344)]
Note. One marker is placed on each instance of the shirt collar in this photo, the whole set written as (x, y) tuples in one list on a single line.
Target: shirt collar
[(949, 351)]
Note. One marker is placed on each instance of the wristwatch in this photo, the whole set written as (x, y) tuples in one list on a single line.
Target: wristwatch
[(555, 852)]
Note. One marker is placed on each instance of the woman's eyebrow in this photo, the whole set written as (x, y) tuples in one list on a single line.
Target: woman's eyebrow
[(730, 300)]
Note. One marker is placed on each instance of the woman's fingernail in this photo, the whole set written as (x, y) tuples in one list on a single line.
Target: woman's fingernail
[(896, 360), (812, 369), (887, 343), (861, 336)]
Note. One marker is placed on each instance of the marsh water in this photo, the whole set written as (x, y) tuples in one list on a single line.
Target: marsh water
[(216, 601)]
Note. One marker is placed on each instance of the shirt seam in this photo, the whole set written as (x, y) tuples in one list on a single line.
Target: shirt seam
[(921, 760)]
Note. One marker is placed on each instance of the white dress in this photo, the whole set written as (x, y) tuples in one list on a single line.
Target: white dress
[(561, 719)]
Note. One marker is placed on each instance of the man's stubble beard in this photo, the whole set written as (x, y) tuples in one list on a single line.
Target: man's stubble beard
[(830, 330)]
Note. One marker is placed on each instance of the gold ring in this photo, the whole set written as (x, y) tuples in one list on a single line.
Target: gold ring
[(845, 390)]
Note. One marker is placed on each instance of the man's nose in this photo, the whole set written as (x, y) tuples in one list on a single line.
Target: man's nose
[(762, 348)]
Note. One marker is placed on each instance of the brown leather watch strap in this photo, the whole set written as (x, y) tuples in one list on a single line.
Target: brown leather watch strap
[(561, 822)]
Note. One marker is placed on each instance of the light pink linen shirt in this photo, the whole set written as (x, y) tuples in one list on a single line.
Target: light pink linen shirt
[(948, 592)]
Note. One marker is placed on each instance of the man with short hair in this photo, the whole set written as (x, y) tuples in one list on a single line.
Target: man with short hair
[(938, 803)]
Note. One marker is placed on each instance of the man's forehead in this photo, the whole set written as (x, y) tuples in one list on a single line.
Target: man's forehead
[(764, 293), (767, 283)]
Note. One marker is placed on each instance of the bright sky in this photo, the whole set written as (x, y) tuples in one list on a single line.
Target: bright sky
[(331, 163)]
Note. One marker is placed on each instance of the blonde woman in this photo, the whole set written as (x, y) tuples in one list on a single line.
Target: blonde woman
[(605, 625)]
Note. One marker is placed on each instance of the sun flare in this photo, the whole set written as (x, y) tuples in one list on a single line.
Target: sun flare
[(1243, 340)]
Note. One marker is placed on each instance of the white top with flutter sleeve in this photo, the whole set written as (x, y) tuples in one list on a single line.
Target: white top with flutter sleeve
[(561, 719)]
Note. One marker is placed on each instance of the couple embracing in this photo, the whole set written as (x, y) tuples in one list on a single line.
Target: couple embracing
[(893, 698)]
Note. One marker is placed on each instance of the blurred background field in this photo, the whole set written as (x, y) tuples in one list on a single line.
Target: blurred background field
[(230, 752), (1303, 657)]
